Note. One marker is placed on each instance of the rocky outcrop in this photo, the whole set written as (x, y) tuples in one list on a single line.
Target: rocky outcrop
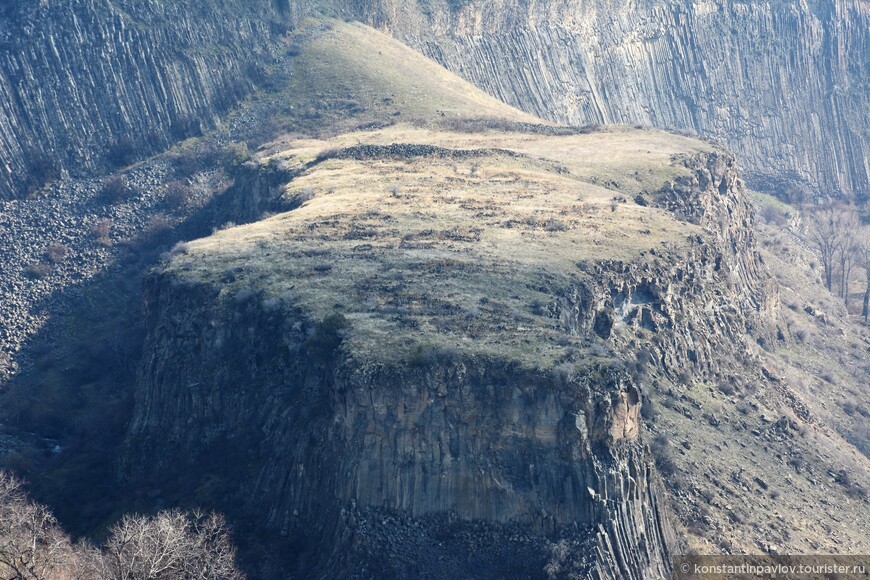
[(91, 83), (325, 442), (327, 439), (701, 307), (783, 86)]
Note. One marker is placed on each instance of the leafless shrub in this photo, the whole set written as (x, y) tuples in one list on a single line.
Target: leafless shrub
[(56, 252), (116, 189), (559, 554), (171, 544), (100, 231), (32, 545), (177, 195)]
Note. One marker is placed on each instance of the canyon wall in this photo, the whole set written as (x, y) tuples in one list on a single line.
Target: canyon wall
[(782, 84), (322, 448), (87, 84)]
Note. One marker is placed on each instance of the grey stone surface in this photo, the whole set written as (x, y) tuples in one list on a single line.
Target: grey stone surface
[(782, 85), (78, 78)]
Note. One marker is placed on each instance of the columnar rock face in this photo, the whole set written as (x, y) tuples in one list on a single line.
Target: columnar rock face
[(87, 80), (701, 308), (783, 85), (319, 439)]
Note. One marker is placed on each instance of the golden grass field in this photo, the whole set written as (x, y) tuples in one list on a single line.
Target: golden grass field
[(452, 250)]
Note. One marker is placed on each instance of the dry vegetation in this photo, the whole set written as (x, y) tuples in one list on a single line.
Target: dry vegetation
[(170, 546), (457, 244), (624, 160), (777, 464), (462, 249), (345, 76)]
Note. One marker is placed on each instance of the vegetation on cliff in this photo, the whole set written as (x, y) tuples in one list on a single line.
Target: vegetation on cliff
[(461, 339)]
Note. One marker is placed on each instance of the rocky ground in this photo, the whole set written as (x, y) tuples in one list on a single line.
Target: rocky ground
[(55, 242)]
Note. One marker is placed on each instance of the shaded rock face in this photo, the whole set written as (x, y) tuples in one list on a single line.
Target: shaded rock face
[(327, 444), (329, 440), (784, 86), (90, 83)]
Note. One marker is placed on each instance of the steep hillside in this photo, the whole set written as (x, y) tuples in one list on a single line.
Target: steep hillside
[(463, 341), (417, 341), (88, 84)]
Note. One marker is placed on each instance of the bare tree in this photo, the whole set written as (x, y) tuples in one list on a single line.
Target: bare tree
[(172, 545), (825, 234), (32, 544), (847, 253), (863, 245), (833, 230)]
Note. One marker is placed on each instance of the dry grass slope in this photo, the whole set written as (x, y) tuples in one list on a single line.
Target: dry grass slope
[(347, 75), (458, 248)]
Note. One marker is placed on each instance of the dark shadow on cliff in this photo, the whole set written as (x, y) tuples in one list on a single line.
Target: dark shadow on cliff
[(70, 409)]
